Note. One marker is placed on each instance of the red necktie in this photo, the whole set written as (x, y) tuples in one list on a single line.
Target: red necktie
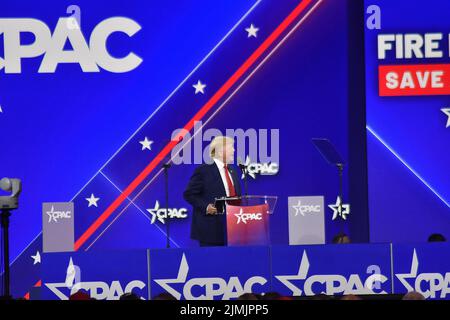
[(230, 185)]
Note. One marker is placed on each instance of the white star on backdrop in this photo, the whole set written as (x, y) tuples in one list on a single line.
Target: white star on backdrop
[(199, 87), (36, 258), (251, 31), (146, 144), (447, 112), (339, 209), (246, 164), (1, 110), (154, 213), (92, 201)]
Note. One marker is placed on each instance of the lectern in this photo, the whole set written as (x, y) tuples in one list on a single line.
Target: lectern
[(248, 219)]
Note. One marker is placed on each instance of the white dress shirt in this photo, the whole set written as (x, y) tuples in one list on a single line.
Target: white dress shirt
[(222, 171)]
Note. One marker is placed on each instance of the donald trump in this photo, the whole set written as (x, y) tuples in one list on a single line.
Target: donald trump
[(210, 181)]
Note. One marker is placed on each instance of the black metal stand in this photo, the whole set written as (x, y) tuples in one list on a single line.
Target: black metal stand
[(330, 154), (243, 168), (5, 214), (245, 182), (166, 167), (340, 167)]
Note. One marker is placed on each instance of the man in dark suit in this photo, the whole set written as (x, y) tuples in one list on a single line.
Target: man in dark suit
[(208, 182)]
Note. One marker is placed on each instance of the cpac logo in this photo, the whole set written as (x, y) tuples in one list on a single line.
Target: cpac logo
[(96, 289), (209, 287), (435, 282), (161, 213), (244, 217), (340, 209), (265, 169), (304, 209), (89, 56), (331, 284), (56, 215)]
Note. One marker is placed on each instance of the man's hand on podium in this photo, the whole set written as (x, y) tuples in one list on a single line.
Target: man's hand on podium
[(211, 209)]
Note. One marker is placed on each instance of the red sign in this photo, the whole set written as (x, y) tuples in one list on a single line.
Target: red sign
[(248, 225), (414, 80)]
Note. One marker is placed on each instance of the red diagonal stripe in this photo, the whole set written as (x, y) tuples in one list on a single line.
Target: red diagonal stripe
[(197, 117)]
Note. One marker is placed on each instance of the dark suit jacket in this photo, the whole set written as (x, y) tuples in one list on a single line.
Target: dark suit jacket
[(206, 185)]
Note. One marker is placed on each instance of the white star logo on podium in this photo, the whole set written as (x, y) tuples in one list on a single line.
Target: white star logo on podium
[(240, 217), (146, 144), (251, 31), (199, 87), (447, 112), (92, 201)]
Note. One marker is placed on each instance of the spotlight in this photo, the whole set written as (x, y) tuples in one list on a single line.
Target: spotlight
[(14, 186), (7, 204)]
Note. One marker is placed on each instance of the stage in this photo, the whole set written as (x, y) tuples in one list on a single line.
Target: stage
[(127, 128), (224, 273)]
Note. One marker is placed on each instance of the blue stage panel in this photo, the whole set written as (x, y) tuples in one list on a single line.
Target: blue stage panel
[(210, 273), (424, 268), (104, 275), (331, 269), (225, 273)]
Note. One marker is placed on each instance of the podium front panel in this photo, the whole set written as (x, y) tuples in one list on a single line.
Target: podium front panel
[(248, 225)]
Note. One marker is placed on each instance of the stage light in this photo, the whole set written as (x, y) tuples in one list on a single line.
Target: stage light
[(7, 204), (14, 186)]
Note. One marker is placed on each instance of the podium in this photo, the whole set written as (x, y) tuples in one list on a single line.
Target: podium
[(247, 218)]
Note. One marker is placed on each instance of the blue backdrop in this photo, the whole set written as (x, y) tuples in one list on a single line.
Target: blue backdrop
[(71, 134)]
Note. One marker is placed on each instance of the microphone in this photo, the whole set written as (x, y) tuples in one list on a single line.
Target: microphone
[(243, 168), (241, 164)]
